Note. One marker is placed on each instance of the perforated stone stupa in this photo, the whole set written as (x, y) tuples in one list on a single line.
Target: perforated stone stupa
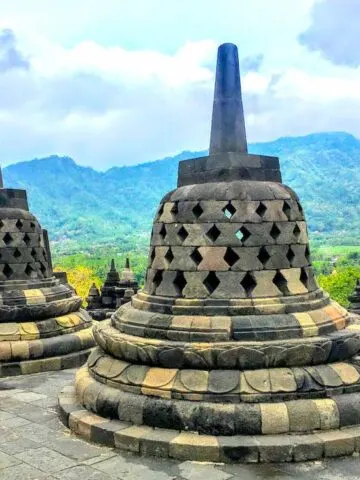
[(231, 353), (42, 326), (116, 291)]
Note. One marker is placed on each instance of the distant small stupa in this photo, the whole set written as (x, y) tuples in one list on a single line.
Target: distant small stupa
[(354, 299), (42, 326), (117, 290)]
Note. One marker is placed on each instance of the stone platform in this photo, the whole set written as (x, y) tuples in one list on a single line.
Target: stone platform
[(35, 445)]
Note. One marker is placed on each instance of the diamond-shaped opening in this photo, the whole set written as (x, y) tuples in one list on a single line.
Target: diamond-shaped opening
[(33, 253), (157, 278), (182, 233), (7, 238), (261, 209), (229, 210), (304, 278), (1, 223), (17, 253), (211, 282), (7, 271), (263, 256), (179, 282), (175, 209), (274, 232), (248, 283), (169, 257), (152, 255), (44, 253), (307, 253), (163, 231), (297, 231), (29, 270), (196, 256), (301, 210), (160, 211), (231, 257), (213, 234), (43, 268), (286, 209), (27, 239), (19, 224), (290, 255), (32, 225), (242, 234), (281, 283), (197, 210)]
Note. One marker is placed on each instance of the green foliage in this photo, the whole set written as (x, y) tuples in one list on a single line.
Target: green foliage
[(84, 209), (340, 284)]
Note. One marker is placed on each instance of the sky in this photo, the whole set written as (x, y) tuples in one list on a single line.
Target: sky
[(119, 82)]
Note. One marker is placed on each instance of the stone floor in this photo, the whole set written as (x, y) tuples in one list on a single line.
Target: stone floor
[(35, 445)]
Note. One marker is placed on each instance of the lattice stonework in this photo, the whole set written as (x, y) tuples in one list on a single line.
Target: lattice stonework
[(231, 353), (196, 240)]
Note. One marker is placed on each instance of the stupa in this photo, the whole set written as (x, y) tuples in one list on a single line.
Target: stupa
[(42, 326), (231, 353), (354, 299), (117, 290)]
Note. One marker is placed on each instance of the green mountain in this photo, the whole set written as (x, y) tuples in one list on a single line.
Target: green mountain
[(83, 208)]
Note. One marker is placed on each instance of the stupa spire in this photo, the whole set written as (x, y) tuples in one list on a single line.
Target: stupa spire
[(127, 262), (228, 124), (112, 266)]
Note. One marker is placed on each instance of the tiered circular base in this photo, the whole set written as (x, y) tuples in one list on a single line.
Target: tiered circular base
[(255, 387), (187, 445), (42, 327)]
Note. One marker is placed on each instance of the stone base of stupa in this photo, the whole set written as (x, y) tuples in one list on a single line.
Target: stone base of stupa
[(157, 397), (42, 329), (290, 445)]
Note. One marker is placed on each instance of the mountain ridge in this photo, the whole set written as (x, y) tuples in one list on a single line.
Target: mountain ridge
[(82, 207)]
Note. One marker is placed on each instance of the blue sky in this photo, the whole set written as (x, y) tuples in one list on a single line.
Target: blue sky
[(114, 82)]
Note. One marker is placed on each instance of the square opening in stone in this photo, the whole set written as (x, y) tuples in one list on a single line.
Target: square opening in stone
[(196, 256), (7, 270), (197, 210), (211, 282), (263, 256), (213, 233), (248, 283), (163, 231), (183, 234), (261, 209), (275, 231), (180, 283), (242, 234), (229, 211), (231, 257)]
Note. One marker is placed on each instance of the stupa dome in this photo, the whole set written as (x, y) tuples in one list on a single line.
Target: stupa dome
[(42, 325), (231, 352)]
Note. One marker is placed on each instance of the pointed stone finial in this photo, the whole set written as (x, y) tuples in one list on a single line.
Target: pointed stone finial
[(127, 262), (228, 124), (1, 179), (112, 266)]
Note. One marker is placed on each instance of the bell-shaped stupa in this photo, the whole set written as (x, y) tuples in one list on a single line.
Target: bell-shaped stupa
[(42, 326), (354, 299), (231, 353), (117, 290)]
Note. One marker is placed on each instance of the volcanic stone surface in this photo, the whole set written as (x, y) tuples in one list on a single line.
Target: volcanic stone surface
[(116, 291), (232, 352), (42, 326)]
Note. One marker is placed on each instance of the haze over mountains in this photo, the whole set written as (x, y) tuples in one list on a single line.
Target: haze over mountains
[(83, 208)]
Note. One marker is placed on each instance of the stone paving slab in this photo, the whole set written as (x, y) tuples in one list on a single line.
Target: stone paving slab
[(37, 446)]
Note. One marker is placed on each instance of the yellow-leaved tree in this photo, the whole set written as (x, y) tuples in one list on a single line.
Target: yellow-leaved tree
[(81, 278)]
